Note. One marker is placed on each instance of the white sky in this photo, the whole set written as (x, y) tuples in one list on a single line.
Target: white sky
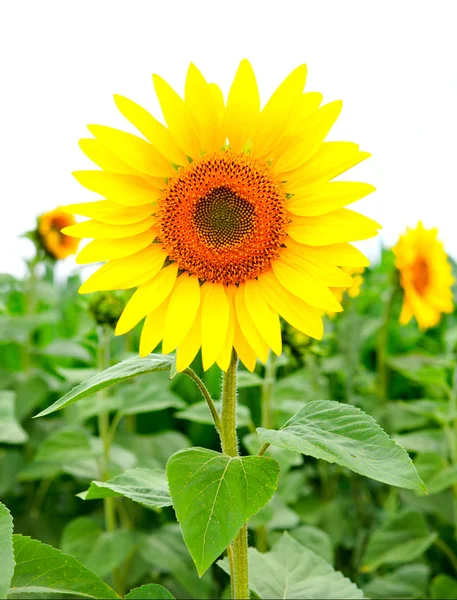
[(392, 62)]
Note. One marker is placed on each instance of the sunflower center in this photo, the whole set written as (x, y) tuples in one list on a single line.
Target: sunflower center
[(223, 218), (420, 275)]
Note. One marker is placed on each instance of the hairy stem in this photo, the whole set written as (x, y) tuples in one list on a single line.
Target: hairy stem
[(238, 552)]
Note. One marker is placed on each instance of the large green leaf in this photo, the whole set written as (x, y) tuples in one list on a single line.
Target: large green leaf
[(10, 430), (402, 539), (151, 591), (343, 434), (42, 569), (98, 550), (6, 550), (132, 367), (214, 495), (290, 570), (199, 413), (147, 486)]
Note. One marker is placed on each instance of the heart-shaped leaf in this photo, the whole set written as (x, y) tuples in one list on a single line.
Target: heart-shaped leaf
[(214, 495), (345, 435)]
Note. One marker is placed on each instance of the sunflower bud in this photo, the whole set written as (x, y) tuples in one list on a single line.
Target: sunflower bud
[(106, 308)]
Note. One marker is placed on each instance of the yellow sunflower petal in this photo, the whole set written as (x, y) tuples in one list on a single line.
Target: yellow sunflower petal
[(147, 298), (320, 198), (248, 327), (129, 190), (243, 107), (276, 113), (264, 317), (95, 229), (178, 117), (110, 212), (182, 310), (341, 255), (247, 355), (305, 286), (133, 150), (152, 129), (300, 315), (152, 331), (215, 320), (200, 100), (218, 99), (189, 347), (332, 159), (308, 103), (342, 225), (101, 250), (330, 275), (125, 273), (104, 158), (314, 132)]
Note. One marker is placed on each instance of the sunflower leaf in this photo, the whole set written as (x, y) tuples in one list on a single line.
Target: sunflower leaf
[(44, 570), (214, 495), (123, 371), (6, 550), (145, 486), (343, 434), (290, 570), (151, 591)]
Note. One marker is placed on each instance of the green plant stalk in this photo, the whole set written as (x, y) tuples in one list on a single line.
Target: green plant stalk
[(239, 549), (103, 362), (452, 436), (266, 392), (382, 351)]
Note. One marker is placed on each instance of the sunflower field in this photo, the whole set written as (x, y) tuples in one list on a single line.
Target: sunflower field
[(231, 401)]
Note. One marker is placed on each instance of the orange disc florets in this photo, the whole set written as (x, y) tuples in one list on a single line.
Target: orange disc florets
[(223, 218)]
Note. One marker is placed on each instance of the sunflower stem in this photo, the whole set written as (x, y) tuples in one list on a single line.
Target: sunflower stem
[(103, 361), (266, 391), (381, 358), (229, 441)]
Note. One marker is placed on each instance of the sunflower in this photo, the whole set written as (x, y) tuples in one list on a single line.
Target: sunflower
[(425, 276), (55, 243), (225, 219)]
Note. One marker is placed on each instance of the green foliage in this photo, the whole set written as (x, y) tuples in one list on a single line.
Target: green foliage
[(214, 495), (89, 480), (291, 570), (344, 434), (45, 570), (6, 550)]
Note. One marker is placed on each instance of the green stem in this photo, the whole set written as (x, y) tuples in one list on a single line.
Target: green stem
[(239, 549), (103, 362), (30, 309), (452, 435), (266, 392), (381, 358), (207, 396)]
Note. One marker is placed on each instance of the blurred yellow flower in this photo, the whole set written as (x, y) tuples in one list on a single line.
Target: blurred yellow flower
[(354, 289), (425, 276), (225, 219), (54, 242)]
